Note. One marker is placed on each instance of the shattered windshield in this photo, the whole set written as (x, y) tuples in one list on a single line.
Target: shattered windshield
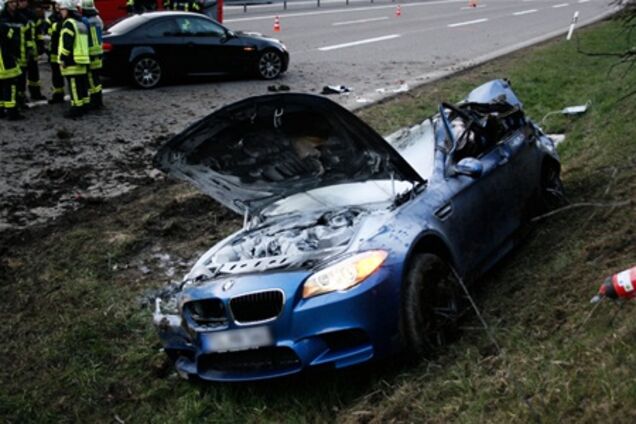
[(339, 195)]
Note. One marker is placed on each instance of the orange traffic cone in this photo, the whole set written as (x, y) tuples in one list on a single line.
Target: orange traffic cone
[(398, 11), (276, 24)]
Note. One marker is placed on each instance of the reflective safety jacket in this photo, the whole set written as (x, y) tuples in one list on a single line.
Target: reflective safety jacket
[(31, 40), (73, 46), (41, 28), (21, 26), (95, 31), (55, 27), (9, 49)]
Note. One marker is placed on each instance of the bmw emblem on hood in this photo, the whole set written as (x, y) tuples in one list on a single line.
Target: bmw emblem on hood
[(228, 285)]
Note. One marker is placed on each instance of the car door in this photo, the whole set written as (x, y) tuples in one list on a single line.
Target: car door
[(204, 41), (474, 209), (163, 35), (519, 175), (469, 211)]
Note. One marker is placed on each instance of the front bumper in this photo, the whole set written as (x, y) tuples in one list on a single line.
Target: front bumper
[(336, 329)]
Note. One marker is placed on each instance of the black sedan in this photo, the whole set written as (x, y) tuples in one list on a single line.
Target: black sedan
[(150, 47)]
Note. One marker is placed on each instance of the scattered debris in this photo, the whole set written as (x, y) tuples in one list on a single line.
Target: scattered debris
[(576, 110), (335, 89), (557, 138), (403, 88), (277, 88), (569, 111)]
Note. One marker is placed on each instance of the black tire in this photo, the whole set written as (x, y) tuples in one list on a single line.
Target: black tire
[(146, 72), (269, 65), (432, 303), (552, 194)]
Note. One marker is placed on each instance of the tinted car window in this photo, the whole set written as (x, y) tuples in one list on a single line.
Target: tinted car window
[(197, 26), (159, 29), (127, 25)]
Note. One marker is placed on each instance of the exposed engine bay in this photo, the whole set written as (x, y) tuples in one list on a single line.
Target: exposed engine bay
[(290, 241)]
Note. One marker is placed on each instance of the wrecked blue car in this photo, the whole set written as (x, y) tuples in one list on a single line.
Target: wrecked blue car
[(351, 243)]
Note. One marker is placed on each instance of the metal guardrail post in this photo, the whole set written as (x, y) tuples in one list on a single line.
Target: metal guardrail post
[(285, 5), (318, 3), (244, 7), (347, 2)]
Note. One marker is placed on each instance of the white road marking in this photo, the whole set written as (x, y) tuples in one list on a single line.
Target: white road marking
[(556, 6), (327, 12), (360, 21), (476, 21), (583, 1), (524, 12), (357, 43)]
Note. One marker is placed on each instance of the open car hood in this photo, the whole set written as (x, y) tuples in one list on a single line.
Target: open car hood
[(261, 149)]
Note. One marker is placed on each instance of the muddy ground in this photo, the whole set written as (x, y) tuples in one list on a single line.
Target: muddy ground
[(49, 164)]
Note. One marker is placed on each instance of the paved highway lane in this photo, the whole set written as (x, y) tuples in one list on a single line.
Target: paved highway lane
[(367, 46)]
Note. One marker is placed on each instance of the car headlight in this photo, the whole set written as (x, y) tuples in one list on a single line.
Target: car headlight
[(345, 274)]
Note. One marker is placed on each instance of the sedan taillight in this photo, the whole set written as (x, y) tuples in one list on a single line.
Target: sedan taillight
[(107, 47)]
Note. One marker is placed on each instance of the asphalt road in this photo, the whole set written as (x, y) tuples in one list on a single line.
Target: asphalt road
[(49, 165), (368, 41)]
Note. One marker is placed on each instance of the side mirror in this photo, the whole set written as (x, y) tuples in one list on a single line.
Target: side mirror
[(469, 166)]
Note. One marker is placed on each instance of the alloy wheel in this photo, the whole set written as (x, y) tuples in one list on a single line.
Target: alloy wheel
[(147, 72), (270, 65)]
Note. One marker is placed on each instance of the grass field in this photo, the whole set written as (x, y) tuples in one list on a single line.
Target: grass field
[(78, 345)]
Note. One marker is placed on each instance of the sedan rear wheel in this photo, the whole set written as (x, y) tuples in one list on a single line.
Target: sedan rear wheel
[(146, 72), (432, 304), (270, 65)]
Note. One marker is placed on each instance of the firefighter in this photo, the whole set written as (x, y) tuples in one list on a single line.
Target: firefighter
[(140, 6), (74, 58), (11, 17), (184, 5), (9, 68), (57, 81), (95, 25), (33, 52)]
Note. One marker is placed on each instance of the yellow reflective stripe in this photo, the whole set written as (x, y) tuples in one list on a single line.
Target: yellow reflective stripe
[(58, 90), (10, 33), (67, 31), (10, 73), (11, 103), (94, 89), (33, 83), (75, 100), (73, 70)]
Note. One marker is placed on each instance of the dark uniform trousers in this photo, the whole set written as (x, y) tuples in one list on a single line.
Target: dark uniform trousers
[(78, 89)]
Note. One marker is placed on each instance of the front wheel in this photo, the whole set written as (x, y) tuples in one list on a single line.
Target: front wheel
[(432, 304), (270, 65), (146, 72)]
